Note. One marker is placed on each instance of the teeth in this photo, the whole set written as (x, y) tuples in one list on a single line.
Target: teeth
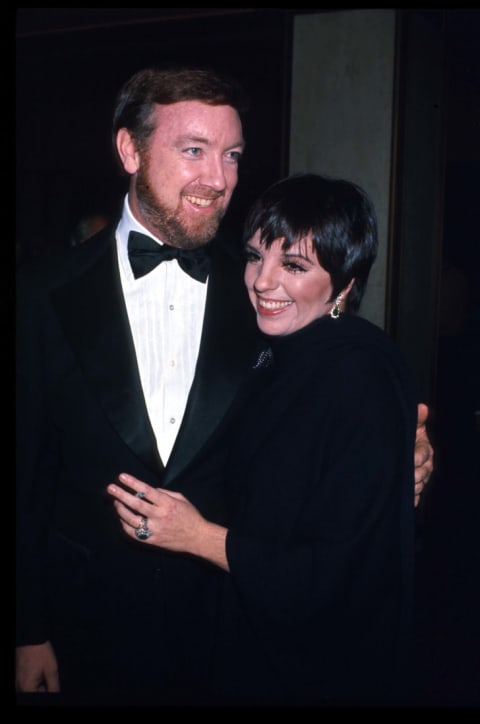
[(199, 202), (272, 305)]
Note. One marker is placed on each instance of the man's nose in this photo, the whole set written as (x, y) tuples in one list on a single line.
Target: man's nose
[(214, 173)]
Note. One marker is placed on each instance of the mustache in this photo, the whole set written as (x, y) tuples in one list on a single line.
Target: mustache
[(205, 192)]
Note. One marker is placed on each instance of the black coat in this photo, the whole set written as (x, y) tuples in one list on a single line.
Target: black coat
[(317, 607), (121, 615)]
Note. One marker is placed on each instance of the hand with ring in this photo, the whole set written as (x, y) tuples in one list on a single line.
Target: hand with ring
[(157, 516), (143, 532)]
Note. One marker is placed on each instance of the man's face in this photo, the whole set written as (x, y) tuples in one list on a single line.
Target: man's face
[(187, 174)]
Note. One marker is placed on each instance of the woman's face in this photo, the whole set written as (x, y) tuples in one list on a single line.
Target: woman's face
[(288, 289)]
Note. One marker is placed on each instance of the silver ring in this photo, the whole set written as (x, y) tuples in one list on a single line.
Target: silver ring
[(143, 532)]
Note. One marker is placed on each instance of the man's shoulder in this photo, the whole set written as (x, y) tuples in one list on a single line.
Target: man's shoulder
[(58, 267)]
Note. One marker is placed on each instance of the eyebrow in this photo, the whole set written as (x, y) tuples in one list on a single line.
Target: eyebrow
[(192, 139), (297, 255), (287, 253), (200, 139)]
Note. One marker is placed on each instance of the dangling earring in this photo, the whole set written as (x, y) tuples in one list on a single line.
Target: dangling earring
[(335, 310)]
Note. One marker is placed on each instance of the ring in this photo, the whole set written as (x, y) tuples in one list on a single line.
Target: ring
[(143, 532)]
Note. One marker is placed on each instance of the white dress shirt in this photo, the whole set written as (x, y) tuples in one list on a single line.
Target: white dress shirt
[(165, 309)]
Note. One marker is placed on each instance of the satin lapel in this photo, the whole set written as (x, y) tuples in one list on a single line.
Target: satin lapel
[(228, 339), (94, 318)]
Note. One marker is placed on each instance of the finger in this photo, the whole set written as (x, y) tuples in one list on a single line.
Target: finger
[(137, 486), (124, 513), (139, 504), (422, 413), (422, 477), (128, 518), (419, 487), (419, 475), (422, 453), (129, 529), (132, 518)]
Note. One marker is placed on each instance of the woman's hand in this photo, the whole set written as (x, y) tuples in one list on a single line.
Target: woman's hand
[(169, 519)]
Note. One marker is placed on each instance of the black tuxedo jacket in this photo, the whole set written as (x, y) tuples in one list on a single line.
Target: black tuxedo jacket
[(81, 420)]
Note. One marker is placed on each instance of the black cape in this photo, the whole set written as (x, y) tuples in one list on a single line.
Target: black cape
[(317, 607)]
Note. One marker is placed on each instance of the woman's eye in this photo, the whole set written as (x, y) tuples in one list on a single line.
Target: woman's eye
[(251, 256), (293, 266)]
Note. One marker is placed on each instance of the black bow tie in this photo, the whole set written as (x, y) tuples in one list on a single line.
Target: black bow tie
[(145, 254)]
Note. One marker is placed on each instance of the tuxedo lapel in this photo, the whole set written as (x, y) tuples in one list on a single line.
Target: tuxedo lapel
[(94, 318)]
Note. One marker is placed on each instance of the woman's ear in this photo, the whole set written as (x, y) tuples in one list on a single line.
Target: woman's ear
[(127, 151)]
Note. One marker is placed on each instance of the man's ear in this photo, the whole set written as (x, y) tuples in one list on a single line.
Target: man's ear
[(127, 151)]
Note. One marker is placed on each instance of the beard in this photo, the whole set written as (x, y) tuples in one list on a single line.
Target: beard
[(173, 226)]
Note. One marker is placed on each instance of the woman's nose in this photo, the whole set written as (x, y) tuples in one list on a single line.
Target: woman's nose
[(266, 277)]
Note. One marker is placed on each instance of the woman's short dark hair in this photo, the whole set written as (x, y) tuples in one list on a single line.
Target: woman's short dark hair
[(337, 214)]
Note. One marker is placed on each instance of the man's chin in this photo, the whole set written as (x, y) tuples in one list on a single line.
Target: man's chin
[(201, 236)]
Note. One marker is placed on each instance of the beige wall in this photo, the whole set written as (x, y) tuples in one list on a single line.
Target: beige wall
[(341, 117)]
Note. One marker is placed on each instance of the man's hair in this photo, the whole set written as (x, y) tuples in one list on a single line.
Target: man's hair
[(150, 86)]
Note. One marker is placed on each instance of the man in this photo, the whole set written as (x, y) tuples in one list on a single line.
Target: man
[(128, 366)]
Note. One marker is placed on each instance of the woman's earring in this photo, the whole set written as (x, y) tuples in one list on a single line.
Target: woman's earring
[(335, 310)]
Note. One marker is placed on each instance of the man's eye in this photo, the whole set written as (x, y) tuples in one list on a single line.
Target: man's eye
[(194, 151), (235, 156)]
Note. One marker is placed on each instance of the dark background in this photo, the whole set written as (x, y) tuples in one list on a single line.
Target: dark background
[(70, 62), (70, 65)]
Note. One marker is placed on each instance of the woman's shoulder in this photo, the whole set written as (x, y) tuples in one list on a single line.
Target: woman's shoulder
[(367, 335), (358, 347)]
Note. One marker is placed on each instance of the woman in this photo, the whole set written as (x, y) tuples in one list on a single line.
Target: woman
[(317, 556)]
